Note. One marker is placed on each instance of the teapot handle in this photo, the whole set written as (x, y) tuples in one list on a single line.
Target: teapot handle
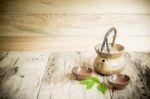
[(105, 41)]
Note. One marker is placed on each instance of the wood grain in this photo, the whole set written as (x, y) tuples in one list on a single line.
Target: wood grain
[(74, 25), (138, 87), (44, 75), (72, 31), (74, 6), (58, 82), (54, 21), (21, 74), (70, 43)]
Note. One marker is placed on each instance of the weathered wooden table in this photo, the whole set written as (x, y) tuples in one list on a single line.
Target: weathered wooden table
[(46, 75)]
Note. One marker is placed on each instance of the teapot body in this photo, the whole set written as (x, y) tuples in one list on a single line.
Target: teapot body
[(108, 66), (109, 58)]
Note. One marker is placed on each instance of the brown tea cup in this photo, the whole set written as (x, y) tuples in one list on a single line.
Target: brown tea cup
[(82, 72), (118, 81)]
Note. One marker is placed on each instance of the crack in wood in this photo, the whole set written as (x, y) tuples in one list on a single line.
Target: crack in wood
[(3, 55)]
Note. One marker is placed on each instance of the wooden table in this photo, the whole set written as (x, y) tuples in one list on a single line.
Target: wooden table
[(47, 75)]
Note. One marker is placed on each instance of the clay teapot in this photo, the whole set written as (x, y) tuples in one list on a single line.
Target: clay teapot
[(109, 58)]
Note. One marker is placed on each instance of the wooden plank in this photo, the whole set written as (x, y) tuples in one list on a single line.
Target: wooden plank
[(138, 88), (45, 31), (70, 43), (74, 25), (58, 81), (74, 6), (21, 74)]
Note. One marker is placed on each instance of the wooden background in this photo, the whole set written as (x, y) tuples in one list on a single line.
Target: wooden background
[(73, 24)]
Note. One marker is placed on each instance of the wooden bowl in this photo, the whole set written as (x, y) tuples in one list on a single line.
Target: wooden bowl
[(118, 81), (82, 72)]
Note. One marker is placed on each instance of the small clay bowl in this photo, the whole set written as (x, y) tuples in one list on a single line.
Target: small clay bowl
[(82, 72), (118, 81)]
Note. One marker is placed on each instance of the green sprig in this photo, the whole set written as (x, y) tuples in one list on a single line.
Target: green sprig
[(90, 81)]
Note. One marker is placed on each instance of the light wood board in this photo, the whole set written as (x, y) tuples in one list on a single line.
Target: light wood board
[(74, 6), (74, 25), (70, 43), (72, 31), (62, 24), (21, 74)]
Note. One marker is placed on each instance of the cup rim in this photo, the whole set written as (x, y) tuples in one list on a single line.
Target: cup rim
[(82, 74), (120, 83)]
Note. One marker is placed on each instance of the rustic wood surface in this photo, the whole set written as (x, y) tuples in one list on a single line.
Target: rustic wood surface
[(21, 74), (59, 24), (44, 75), (74, 6)]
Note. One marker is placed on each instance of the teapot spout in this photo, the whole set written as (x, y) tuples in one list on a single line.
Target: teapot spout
[(100, 65), (103, 61)]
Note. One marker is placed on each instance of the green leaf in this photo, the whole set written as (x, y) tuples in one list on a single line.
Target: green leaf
[(102, 87), (89, 82), (89, 85), (94, 79), (84, 81)]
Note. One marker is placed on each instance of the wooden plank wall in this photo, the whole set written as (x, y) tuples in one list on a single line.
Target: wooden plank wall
[(73, 24)]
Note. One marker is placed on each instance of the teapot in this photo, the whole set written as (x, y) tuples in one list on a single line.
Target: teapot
[(109, 59)]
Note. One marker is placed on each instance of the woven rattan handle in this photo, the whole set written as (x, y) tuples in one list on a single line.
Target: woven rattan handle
[(105, 41)]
